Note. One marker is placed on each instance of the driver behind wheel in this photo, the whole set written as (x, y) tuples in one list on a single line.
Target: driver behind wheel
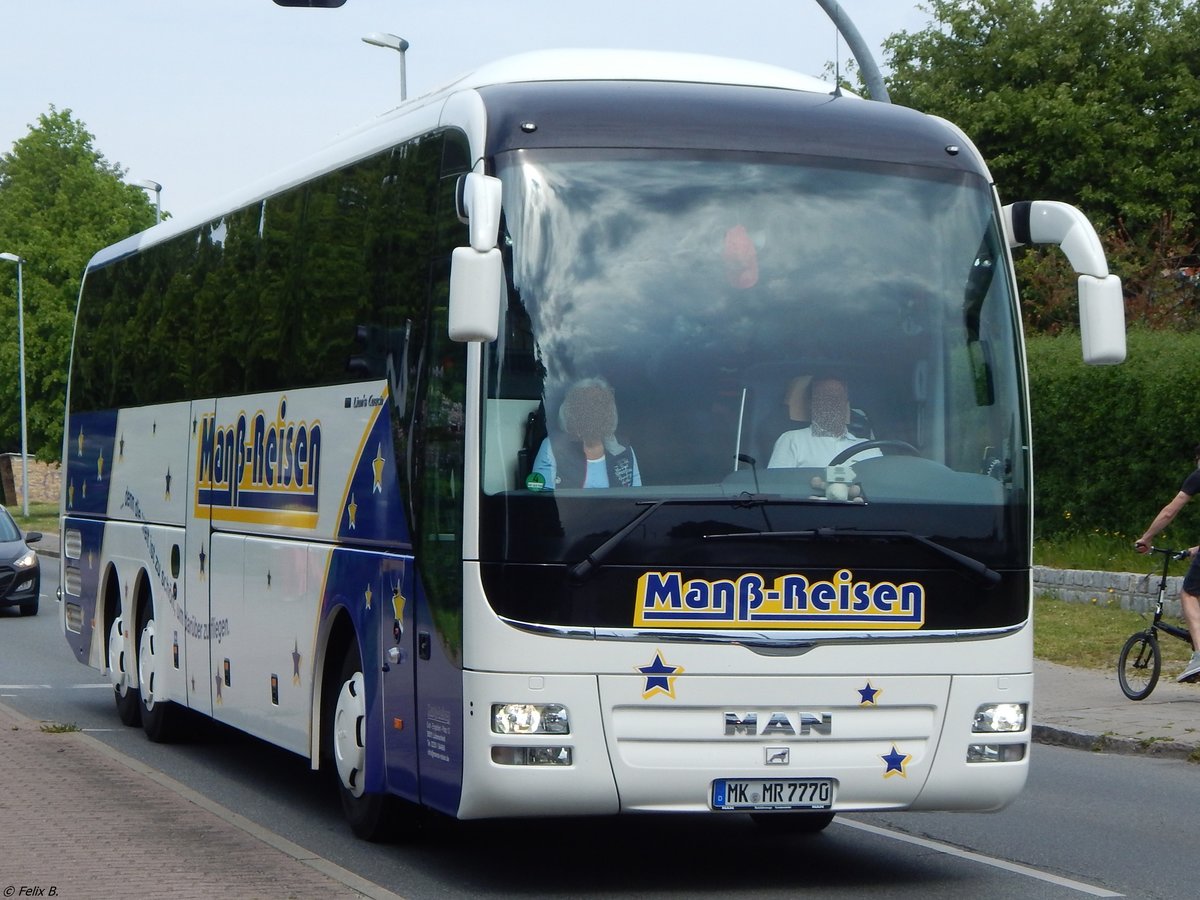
[(827, 435)]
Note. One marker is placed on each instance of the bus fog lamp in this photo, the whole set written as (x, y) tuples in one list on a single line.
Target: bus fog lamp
[(1000, 718), (986, 753), (532, 756), (530, 718)]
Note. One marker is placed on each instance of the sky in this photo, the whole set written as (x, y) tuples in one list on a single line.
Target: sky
[(207, 96)]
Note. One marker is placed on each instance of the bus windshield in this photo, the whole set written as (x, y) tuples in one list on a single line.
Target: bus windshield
[(772, 346)]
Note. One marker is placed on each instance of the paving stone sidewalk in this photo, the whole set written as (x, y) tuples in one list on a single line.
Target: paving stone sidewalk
[(79, 820)]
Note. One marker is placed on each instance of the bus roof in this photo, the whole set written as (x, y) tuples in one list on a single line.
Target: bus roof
[(422, 113), (635, 65)]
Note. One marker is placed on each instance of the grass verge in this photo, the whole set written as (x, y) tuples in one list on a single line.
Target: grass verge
[(1091, 636), (42, 516)]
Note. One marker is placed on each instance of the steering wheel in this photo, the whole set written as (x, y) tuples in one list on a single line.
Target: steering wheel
[(901, 446)]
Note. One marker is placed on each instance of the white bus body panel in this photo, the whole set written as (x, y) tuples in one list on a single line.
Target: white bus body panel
[(658, 745)]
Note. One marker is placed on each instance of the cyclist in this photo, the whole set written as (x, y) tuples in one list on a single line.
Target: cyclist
[(1189, 597)]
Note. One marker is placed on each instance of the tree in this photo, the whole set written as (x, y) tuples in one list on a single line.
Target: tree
[(60, 202), (1092, 102)]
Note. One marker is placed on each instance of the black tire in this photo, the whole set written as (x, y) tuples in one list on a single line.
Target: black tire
[(1139, 665), (30, 608), (159, 716), (792, 822), (370, 815)]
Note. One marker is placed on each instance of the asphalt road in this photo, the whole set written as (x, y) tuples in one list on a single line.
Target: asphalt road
[(1088, 824)]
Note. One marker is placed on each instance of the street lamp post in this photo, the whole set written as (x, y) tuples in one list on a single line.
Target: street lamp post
[(149, 185), (392, 42), (12, 257)]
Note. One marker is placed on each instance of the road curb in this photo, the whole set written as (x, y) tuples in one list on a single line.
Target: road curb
[(1108, 743)]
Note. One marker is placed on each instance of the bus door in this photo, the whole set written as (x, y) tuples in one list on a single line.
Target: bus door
[(197, 567), (397, 674)]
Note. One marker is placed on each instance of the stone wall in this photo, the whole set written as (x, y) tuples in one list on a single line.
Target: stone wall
[(45, 480), (1128, 590)]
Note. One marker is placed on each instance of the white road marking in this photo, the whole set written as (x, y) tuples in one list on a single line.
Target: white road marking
[(1019, 869), (48, 687)]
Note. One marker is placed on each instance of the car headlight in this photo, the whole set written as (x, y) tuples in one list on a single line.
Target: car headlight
[(26, 560), (1000, 718), (530, 718)]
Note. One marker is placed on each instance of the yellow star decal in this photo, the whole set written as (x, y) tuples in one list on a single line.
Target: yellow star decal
[(352, 512), (895, 763), (81, 440), (377, 465), (100, 466), (367, 594), (660, 677), (398, 602)]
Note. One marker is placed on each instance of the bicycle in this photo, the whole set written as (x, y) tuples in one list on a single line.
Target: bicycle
[(1140, 662)]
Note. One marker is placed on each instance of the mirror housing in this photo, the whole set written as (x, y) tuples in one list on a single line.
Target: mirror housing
[(478, 200), (476, 284), (477, 271), (1101, 302), (1102, 320)]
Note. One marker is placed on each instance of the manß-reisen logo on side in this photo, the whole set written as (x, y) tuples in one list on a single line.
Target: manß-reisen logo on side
[(790, 601), (259, 469)]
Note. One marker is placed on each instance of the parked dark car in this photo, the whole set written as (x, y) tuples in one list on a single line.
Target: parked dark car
[(20, 571)]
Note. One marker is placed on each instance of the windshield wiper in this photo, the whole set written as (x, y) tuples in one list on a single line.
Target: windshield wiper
[(970, 565), (584, 568)]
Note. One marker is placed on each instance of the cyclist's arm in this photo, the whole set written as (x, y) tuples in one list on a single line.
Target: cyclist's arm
[(1164, 518)]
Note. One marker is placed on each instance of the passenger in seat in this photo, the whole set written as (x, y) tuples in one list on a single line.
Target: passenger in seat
[(587, 453), (797, 399), (827, 436)]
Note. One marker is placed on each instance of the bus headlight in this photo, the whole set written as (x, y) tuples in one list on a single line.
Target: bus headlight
[(532, 756), (986, 753), (530, 718), (1000, 718)]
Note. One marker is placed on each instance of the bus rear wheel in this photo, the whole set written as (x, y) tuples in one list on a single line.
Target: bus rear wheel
[(158, 714), (369, 815), (129, 703)]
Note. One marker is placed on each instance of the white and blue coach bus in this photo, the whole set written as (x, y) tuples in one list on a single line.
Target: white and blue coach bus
[(307, 431)]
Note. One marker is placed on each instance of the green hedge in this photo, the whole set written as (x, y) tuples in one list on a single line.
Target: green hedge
[(1112, 444)]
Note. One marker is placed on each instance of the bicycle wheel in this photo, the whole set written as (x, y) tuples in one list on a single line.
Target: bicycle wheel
[(1138, 665)]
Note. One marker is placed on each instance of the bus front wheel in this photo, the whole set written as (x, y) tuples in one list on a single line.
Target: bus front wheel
[(368, 814)]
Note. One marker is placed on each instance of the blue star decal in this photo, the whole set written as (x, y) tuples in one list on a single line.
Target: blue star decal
[(895, 763), (868, 695), (660, 677)]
